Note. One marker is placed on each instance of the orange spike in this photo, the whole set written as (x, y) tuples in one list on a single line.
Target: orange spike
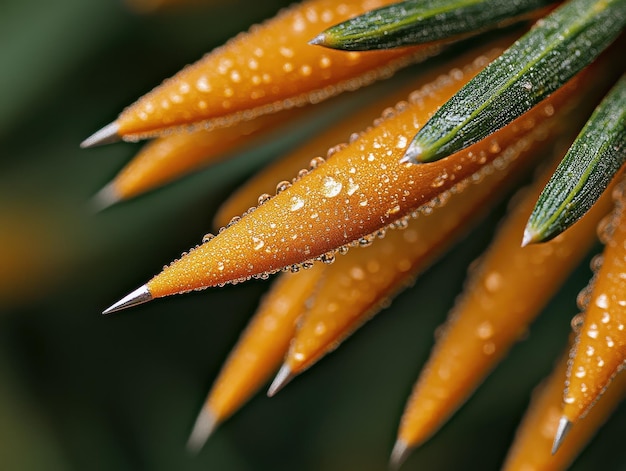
[(168, 158), (600, 349), (357, 285), (358, 191), (532, 447), (288, 166), (503, 294), (259, 351), (269, 68)]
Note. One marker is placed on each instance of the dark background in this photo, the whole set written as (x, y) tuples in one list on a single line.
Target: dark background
[(80, 391)]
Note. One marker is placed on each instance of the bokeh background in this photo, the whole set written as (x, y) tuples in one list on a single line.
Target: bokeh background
[(81, 391)]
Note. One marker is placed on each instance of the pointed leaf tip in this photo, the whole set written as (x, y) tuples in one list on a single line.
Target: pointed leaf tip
[(399, 454), (283, 377), (203, 428), (563, 429), (524, 75), (106, 135), (139, 296)]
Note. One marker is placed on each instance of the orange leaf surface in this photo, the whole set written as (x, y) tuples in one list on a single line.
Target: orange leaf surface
[(359, 190), (600, 348), (502, 296), (532, 447), (269, 68), (258, 352), (357, 285), (168, 158)]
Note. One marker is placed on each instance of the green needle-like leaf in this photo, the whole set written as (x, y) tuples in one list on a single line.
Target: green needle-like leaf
[(596, 155), (419, 21), (536, 65)]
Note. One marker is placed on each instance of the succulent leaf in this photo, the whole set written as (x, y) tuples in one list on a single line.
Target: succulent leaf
[(593, 160), (539, 63), (420, 21)]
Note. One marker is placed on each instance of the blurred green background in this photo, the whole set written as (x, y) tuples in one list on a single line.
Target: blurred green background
[(80, 391)]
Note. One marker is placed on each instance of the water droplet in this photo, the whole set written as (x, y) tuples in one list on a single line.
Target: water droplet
[(602, 301), (606, 317), (207, 237), (493, 281), (320, 328), (258, 243), (264, 198), (590, 351), (489, 348), (593, 331), (331, 187), (609, 342), (439, 180), (220, 266), (297, 203), (282, 186), (234, 220), (580, 372), (484, 330), (352, 187), (366, 241), (327, 258), (357, 273)]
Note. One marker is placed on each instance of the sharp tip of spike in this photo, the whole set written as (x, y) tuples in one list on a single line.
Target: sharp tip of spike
[(203, 428), (139, 296), (105, 198), (563, 429), (399, 454), (412, 155), (106, 135), (319, 40), (530, 237), (283, 377)]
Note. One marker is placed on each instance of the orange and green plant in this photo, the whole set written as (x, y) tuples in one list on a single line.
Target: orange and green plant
[(445, 141)]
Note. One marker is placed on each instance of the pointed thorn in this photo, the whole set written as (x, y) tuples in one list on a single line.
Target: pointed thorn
[(280, 381), (139, 296), (319, 40), (530, 237), (399, 454), (106, 135), (411, 155), (105, 198), (202, 430), (564, 427)]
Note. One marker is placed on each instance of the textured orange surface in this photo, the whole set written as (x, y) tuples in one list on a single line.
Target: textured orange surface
[(503, 294), (532, 447), (271, 67), (357, 191), (261, 348), (168, 158), (600, 348), (360, 283)]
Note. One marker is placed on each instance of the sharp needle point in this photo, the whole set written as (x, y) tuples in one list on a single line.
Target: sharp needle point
[(139, 296), (280, 381), (399, 454), (410, 156), (202, 430), (106, 135), (106, 197), (320, 39), (563, 429), (530, 237)]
